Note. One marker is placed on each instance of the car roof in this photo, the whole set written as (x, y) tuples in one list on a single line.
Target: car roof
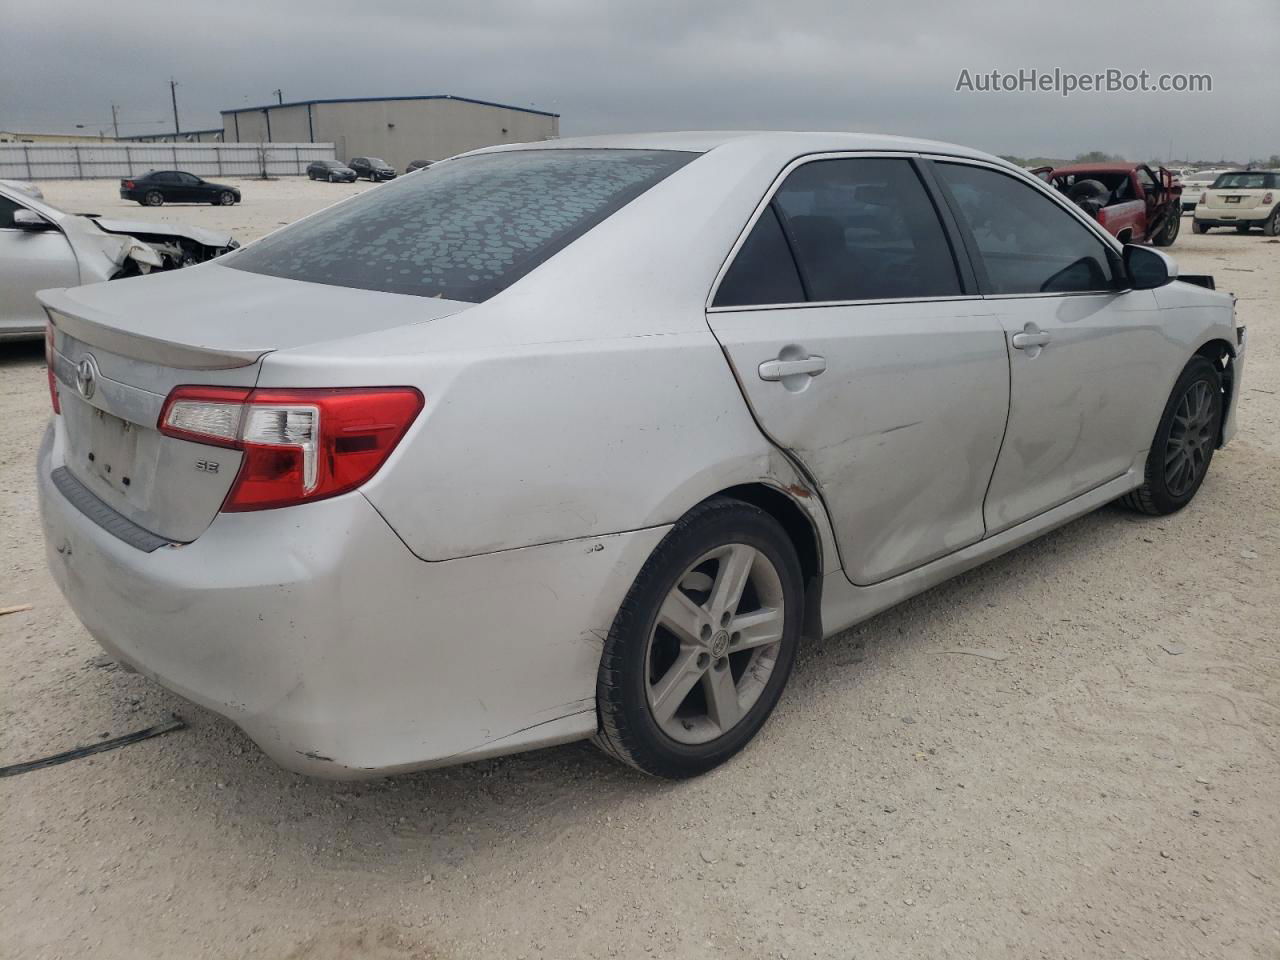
[(781, 141)]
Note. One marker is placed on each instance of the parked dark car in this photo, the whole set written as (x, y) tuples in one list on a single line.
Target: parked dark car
[(372, 167), (331, 170), (417, 165), (174, 186)]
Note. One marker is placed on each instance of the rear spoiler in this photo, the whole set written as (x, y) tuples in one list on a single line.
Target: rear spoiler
[(79, 322)]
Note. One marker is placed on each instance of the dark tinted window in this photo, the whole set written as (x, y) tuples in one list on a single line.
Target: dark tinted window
[(1028, 243), (865, 229), (164, 177), (464, 229), (763, 271), (7, 208)]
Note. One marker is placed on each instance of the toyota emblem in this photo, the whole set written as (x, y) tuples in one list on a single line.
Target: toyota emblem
[(87, 376)]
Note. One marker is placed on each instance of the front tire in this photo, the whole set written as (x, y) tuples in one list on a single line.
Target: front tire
[(1183, 446), (703, 644), (226, 198), (1169, 232)]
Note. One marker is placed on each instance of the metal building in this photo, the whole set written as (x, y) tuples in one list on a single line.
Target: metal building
[(397, 129)]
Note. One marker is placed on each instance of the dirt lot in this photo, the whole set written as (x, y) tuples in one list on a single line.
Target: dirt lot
[(1106, 785)]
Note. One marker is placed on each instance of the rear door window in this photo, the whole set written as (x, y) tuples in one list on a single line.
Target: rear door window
[(464, 229), (1028, 243), (764, 271), (865, 229)]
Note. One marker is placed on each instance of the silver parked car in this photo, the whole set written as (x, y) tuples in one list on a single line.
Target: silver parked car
[(42, 246), (578, 439)]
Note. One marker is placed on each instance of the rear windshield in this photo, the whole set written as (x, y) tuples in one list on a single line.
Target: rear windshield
[(1244, 181), (465, 229)]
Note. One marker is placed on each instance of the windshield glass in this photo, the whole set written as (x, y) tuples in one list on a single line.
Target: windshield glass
[(464, 229)]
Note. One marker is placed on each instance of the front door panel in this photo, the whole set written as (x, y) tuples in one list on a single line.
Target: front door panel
[(901, 429), (1075, 399)]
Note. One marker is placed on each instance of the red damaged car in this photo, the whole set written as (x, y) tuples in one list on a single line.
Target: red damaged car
[(1133, 202)]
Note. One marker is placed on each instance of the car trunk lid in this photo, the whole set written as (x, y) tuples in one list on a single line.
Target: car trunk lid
[(121, 347)]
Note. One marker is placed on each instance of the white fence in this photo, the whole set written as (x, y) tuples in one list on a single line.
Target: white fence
[(86, 161)]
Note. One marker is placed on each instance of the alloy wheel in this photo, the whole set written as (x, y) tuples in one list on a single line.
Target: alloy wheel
[(715, 643), (1191, 438)]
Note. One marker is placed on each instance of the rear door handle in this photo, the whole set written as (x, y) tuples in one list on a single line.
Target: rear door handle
[(777, 369), (1030, 337)]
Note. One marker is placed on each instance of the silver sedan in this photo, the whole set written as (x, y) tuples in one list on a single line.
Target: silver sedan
[(578, 439)]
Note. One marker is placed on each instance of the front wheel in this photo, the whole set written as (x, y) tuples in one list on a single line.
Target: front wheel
[(703, 644), (226, 198), (1169, 231), (1183, 446)]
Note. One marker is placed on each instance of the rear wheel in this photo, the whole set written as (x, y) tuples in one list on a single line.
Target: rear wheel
[(703, 644), (1272, 225), (153, 198), (1183, 446)]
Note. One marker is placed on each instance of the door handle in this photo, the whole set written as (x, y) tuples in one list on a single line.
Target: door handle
[(1031, 336), (777, 369)]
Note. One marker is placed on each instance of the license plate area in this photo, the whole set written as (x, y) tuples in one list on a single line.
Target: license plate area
[(112, 451), (1231, 199)]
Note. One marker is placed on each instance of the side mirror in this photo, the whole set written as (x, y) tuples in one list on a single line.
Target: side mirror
[(31, 222), (1147, 268)]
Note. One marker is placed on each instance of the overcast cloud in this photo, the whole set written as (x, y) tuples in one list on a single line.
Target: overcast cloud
[(608, 66)]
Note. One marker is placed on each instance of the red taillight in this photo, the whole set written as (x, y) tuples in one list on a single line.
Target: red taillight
[(127, 184), (1266, 200), (1204, 197), (48, 360), (299, 445)]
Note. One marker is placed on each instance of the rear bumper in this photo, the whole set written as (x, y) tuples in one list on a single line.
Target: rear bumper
[(337, 650), (1228, 217)]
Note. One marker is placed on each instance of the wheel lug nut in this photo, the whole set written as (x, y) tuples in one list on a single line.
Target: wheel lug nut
[(706, 631), (735, 639), (703, 660), (724, 618)]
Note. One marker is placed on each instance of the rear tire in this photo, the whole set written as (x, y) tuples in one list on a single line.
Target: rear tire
[(1183, 446), (1271, 227), (703, 644), (153, 198)]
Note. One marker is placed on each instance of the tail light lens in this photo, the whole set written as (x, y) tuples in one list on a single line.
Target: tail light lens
[(1266, 200), (1204, 197), (48, 361), (299, 445), (127, 184)]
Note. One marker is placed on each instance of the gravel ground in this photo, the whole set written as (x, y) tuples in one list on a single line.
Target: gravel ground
[(1104, 785)]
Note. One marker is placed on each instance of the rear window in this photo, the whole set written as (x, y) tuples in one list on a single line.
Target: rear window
[(465, 229), (1242, 181)]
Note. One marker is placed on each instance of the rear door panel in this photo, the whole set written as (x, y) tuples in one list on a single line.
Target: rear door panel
[(901, 431)]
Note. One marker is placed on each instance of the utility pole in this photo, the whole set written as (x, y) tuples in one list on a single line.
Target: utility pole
[(115, 123), (279, 96), (173, 94)]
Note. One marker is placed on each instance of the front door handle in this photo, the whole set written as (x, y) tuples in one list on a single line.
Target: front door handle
[(777, 369), (1031, 336)]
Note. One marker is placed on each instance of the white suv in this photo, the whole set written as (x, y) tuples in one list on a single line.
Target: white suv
[(1241, 199)]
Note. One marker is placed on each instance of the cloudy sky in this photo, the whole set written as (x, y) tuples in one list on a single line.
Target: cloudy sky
[(613, 65)]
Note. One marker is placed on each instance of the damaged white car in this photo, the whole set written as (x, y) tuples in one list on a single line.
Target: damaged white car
[(42, 246)]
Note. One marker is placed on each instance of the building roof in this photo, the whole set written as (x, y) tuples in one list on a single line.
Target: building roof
[(431, 96)]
